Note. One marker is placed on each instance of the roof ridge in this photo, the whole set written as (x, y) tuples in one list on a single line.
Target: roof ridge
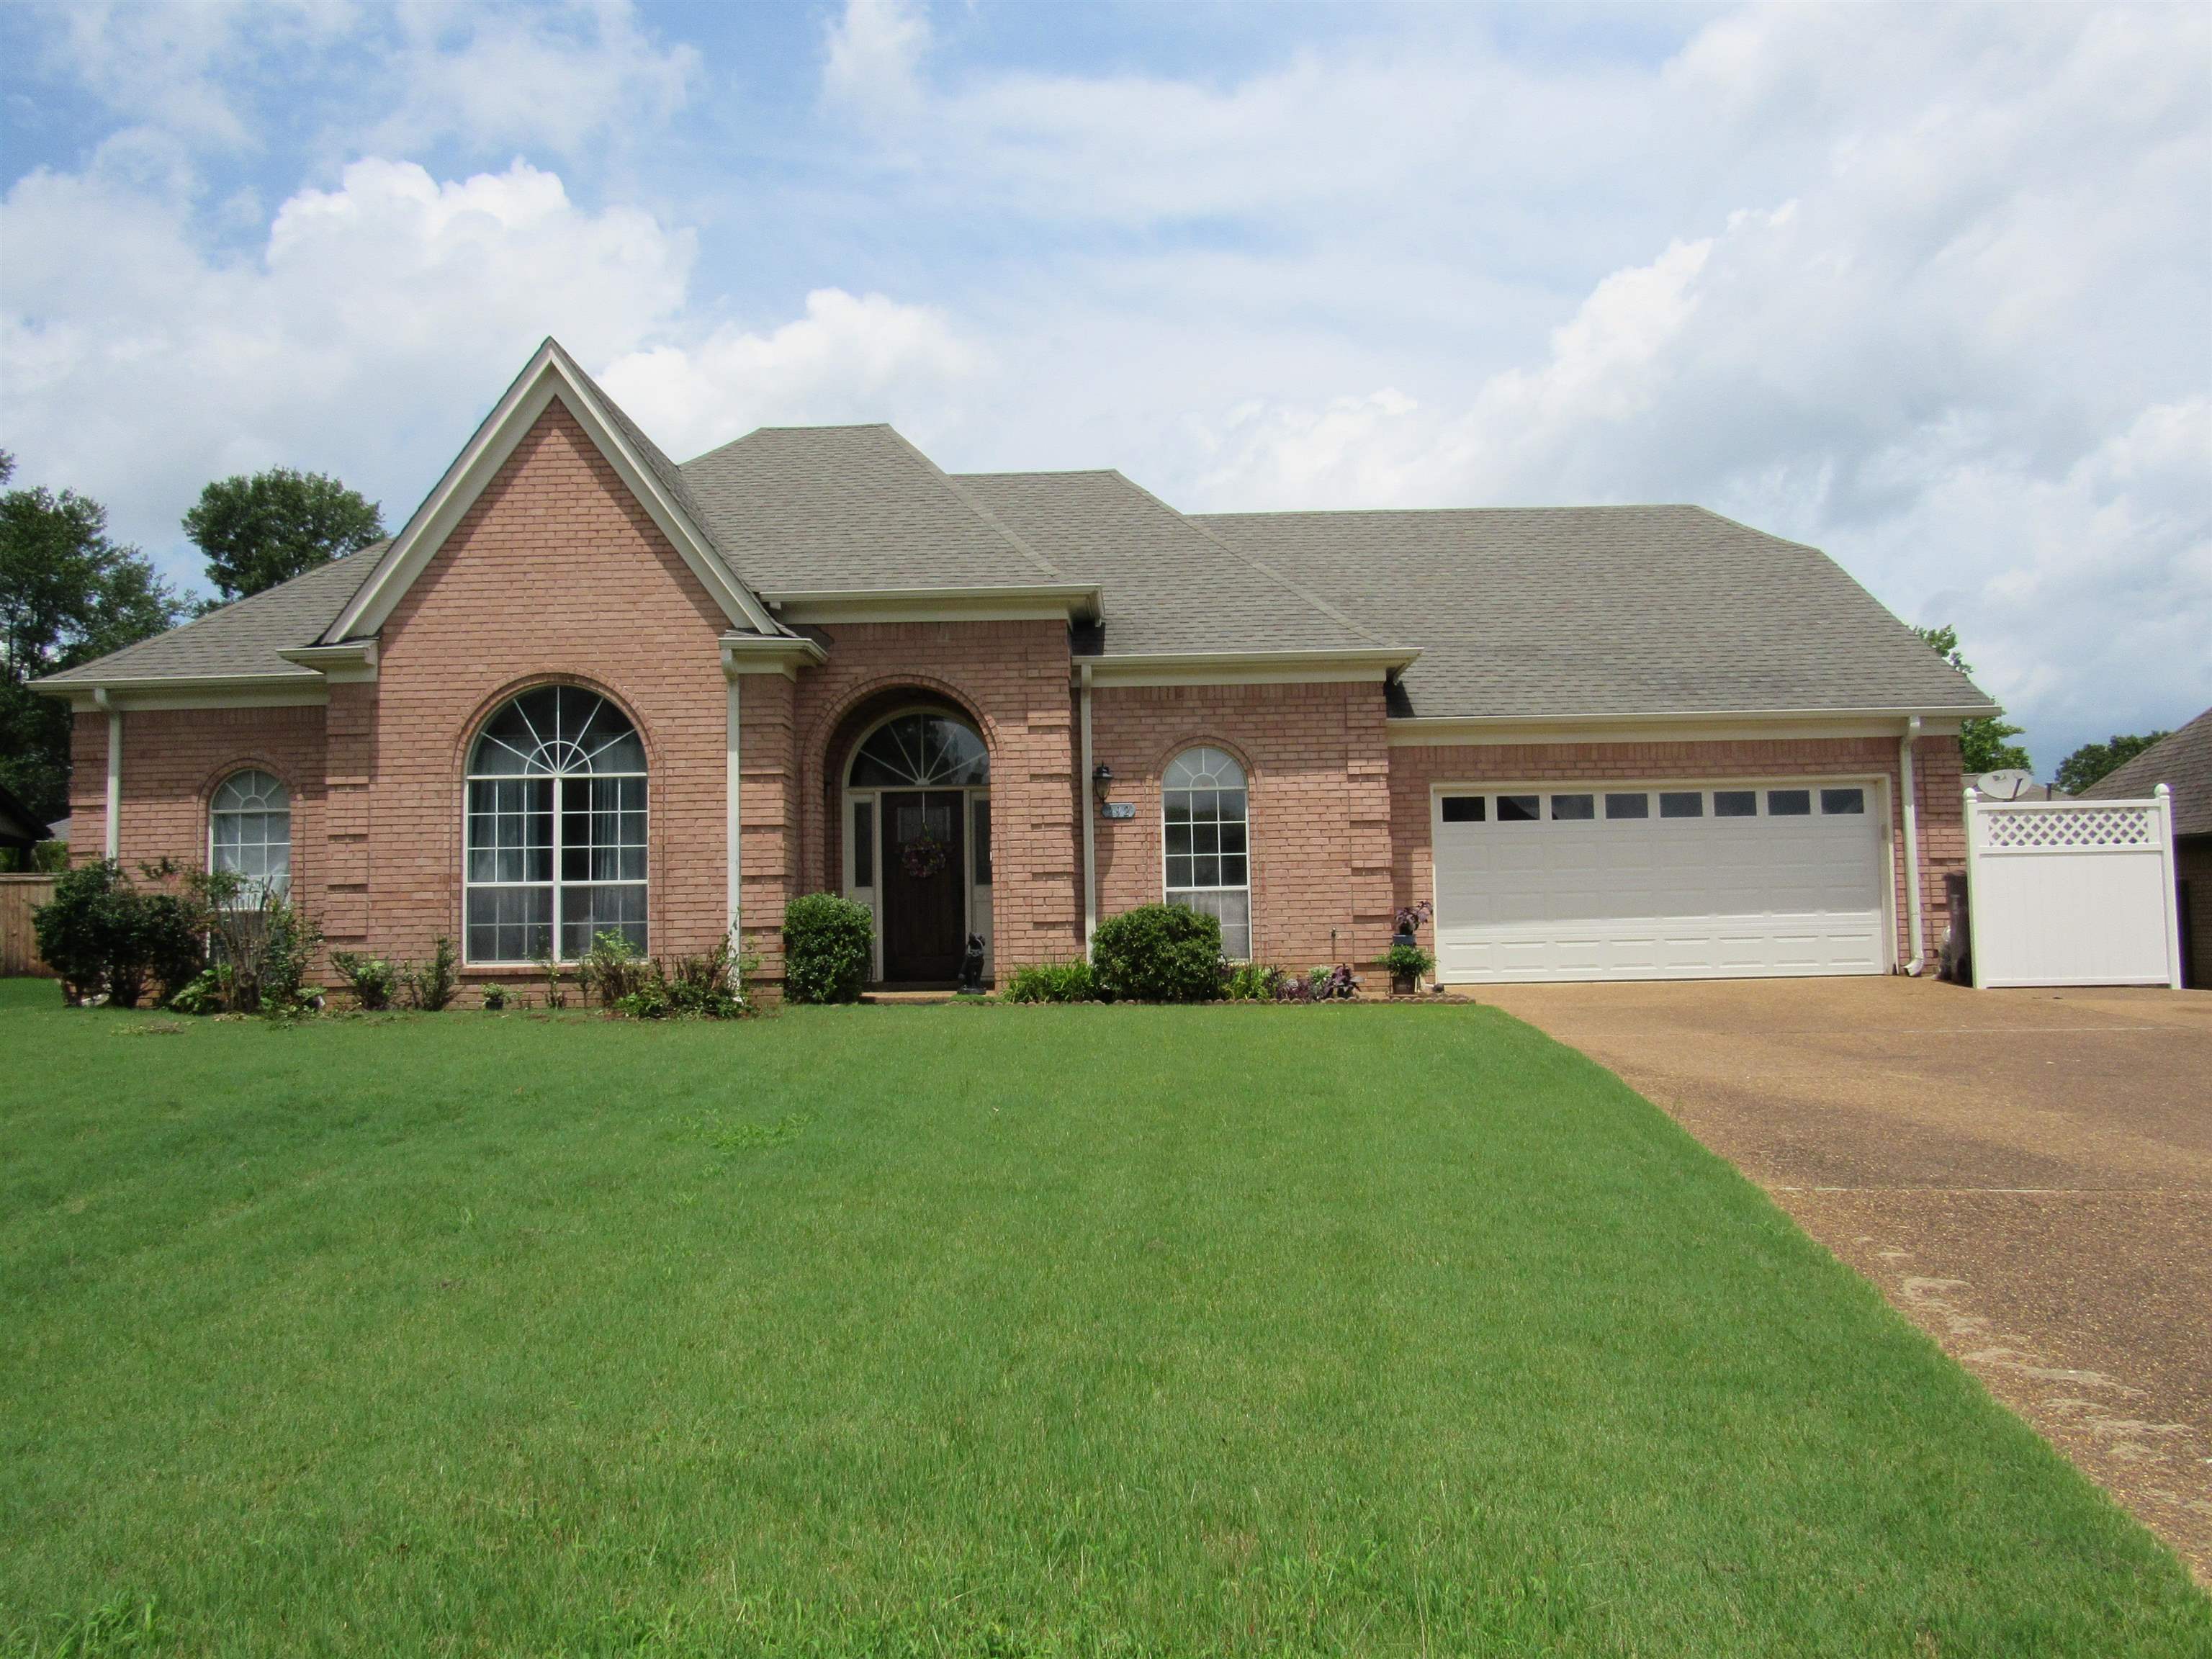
[(1438, 511), (1256, 562), (969, 500)]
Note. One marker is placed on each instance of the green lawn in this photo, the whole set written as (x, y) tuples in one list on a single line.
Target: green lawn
[(969, 1330)]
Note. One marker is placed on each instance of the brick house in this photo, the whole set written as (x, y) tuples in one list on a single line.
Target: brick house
[(585, 688)]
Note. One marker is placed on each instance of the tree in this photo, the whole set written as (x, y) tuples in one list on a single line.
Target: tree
[(264, 529), (2092, 761), (67, 594), (1985, 745)]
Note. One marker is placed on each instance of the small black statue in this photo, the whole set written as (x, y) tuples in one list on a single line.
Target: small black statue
[(971, 967)]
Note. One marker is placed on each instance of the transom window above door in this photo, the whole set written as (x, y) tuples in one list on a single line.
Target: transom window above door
[(921, 750), (556, 829)]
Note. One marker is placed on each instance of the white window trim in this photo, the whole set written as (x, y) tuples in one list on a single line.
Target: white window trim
[(1251, 919), (282, 885), (469, 883)]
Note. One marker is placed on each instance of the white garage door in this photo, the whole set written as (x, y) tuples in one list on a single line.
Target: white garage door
[(1723, 882)]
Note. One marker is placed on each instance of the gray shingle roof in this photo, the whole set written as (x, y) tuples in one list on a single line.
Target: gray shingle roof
[(1606, 611), (244, 637), (1169, 584), (2183, 763), (844, 509)]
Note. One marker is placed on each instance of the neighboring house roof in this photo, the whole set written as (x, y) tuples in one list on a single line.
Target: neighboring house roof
[(19, 826), (243, 638), (2183, 763), (1600, 610), (852, 509), (1169, 584), (59, 830)]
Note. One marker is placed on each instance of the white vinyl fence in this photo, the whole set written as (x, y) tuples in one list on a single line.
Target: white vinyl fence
[(2072, 892)]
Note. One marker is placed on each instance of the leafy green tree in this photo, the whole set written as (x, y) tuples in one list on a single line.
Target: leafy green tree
[(2092, 761), (67, 594), (258, 531), (1985, 745)]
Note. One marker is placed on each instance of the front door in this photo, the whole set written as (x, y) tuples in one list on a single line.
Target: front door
[(925, 910)]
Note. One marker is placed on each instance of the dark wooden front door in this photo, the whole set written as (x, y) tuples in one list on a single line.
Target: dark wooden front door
[(925, 914)]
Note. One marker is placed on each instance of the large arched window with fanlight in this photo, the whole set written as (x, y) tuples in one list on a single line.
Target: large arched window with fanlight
[(556, 828), (1205, 833)]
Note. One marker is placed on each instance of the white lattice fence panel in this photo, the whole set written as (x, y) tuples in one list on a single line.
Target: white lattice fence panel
[(2072, 893), (2085, 827)]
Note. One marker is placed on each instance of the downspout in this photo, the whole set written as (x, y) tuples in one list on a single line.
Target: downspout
[(114, 825), (1090, 820), (1912, 846), (736, 817)]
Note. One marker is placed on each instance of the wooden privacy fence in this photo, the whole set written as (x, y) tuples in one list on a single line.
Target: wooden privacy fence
[(19, 946)]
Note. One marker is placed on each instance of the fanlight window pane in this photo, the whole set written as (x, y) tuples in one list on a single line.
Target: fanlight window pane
[(922, 751), (556, 828), (1205, 839), (250, 833)]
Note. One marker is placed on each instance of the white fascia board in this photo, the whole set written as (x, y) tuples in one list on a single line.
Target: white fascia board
[(784, 654), (474, 468), (1366, 664), (207, 691), (1744, 724), (351, 663), (1028, 602)]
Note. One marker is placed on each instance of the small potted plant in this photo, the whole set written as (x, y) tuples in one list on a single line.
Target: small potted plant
[(1405, 958)]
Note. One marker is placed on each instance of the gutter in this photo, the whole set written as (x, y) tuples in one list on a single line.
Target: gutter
[(1084, 805), (1911, 845)]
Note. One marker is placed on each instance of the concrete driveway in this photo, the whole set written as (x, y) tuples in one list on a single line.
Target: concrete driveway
[(2027, 1175)]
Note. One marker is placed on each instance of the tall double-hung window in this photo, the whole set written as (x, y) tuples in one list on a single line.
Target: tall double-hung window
[(1206, 833)]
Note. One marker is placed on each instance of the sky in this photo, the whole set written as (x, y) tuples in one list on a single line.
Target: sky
[(1929, 288)]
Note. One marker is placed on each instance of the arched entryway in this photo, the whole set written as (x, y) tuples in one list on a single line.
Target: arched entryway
[(917, 840)]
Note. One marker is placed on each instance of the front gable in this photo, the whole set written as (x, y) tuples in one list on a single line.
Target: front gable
[(551, 382)]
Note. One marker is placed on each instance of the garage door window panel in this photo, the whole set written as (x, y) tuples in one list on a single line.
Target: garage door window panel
[(1627, 806)]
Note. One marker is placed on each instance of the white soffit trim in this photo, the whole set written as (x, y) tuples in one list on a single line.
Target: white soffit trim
[(1046, 601), (545, 378), (753, 654), (352, 663), (230, 691), (1745, 725), (1246, 667)]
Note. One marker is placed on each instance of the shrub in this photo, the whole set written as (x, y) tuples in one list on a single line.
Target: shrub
[(828, 942), (76, 928), (100, 933), (1158, 953), (1052, 982), (369, 978), (711, 986), (1254, 982), (1323, 984), (554, 996), (430, 987), (611, 969), (495, 998)]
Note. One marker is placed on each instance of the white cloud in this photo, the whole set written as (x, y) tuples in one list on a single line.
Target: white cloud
[(374, 325), (872, 56), (849, 359)]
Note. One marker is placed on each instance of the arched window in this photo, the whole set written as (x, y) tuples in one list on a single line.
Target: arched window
[(1209, 866), (250, 834), (922, 751), (556, 828)]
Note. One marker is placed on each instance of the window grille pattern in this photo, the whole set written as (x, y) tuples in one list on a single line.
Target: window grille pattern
[(250, 834), (1205, 834)]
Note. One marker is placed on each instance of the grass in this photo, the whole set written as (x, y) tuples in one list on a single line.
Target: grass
[(962, 1330)]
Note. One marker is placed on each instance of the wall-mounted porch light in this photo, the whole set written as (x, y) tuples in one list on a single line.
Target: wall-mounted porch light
[(1101, 781)]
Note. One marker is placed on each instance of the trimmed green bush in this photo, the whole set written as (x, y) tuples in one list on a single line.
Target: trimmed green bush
[(99, 933), (1157, 953), (828, 943), (1052, 982)]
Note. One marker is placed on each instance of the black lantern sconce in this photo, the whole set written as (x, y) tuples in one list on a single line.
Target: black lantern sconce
[(1102, 781)]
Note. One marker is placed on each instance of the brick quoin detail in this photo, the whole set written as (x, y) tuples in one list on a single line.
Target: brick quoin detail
[(557, 573)]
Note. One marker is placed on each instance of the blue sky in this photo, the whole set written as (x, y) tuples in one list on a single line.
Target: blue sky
[(1930, 287)]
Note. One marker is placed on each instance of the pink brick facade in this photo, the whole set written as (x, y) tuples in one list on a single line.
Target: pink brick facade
[(556, 573)]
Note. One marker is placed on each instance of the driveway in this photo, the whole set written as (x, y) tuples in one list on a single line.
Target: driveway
[(2027, 1175)]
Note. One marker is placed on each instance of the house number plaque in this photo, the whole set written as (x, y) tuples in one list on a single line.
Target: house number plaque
[(1120, 808)]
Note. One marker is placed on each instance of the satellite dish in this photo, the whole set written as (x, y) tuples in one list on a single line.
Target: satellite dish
[(2008, 785)]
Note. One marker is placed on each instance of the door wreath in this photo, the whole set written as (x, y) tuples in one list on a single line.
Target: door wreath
[(924, 856)]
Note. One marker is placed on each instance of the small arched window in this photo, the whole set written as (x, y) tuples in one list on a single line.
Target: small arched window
[(922, 751), (1205, 831), (250, 836), (556, 828)]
